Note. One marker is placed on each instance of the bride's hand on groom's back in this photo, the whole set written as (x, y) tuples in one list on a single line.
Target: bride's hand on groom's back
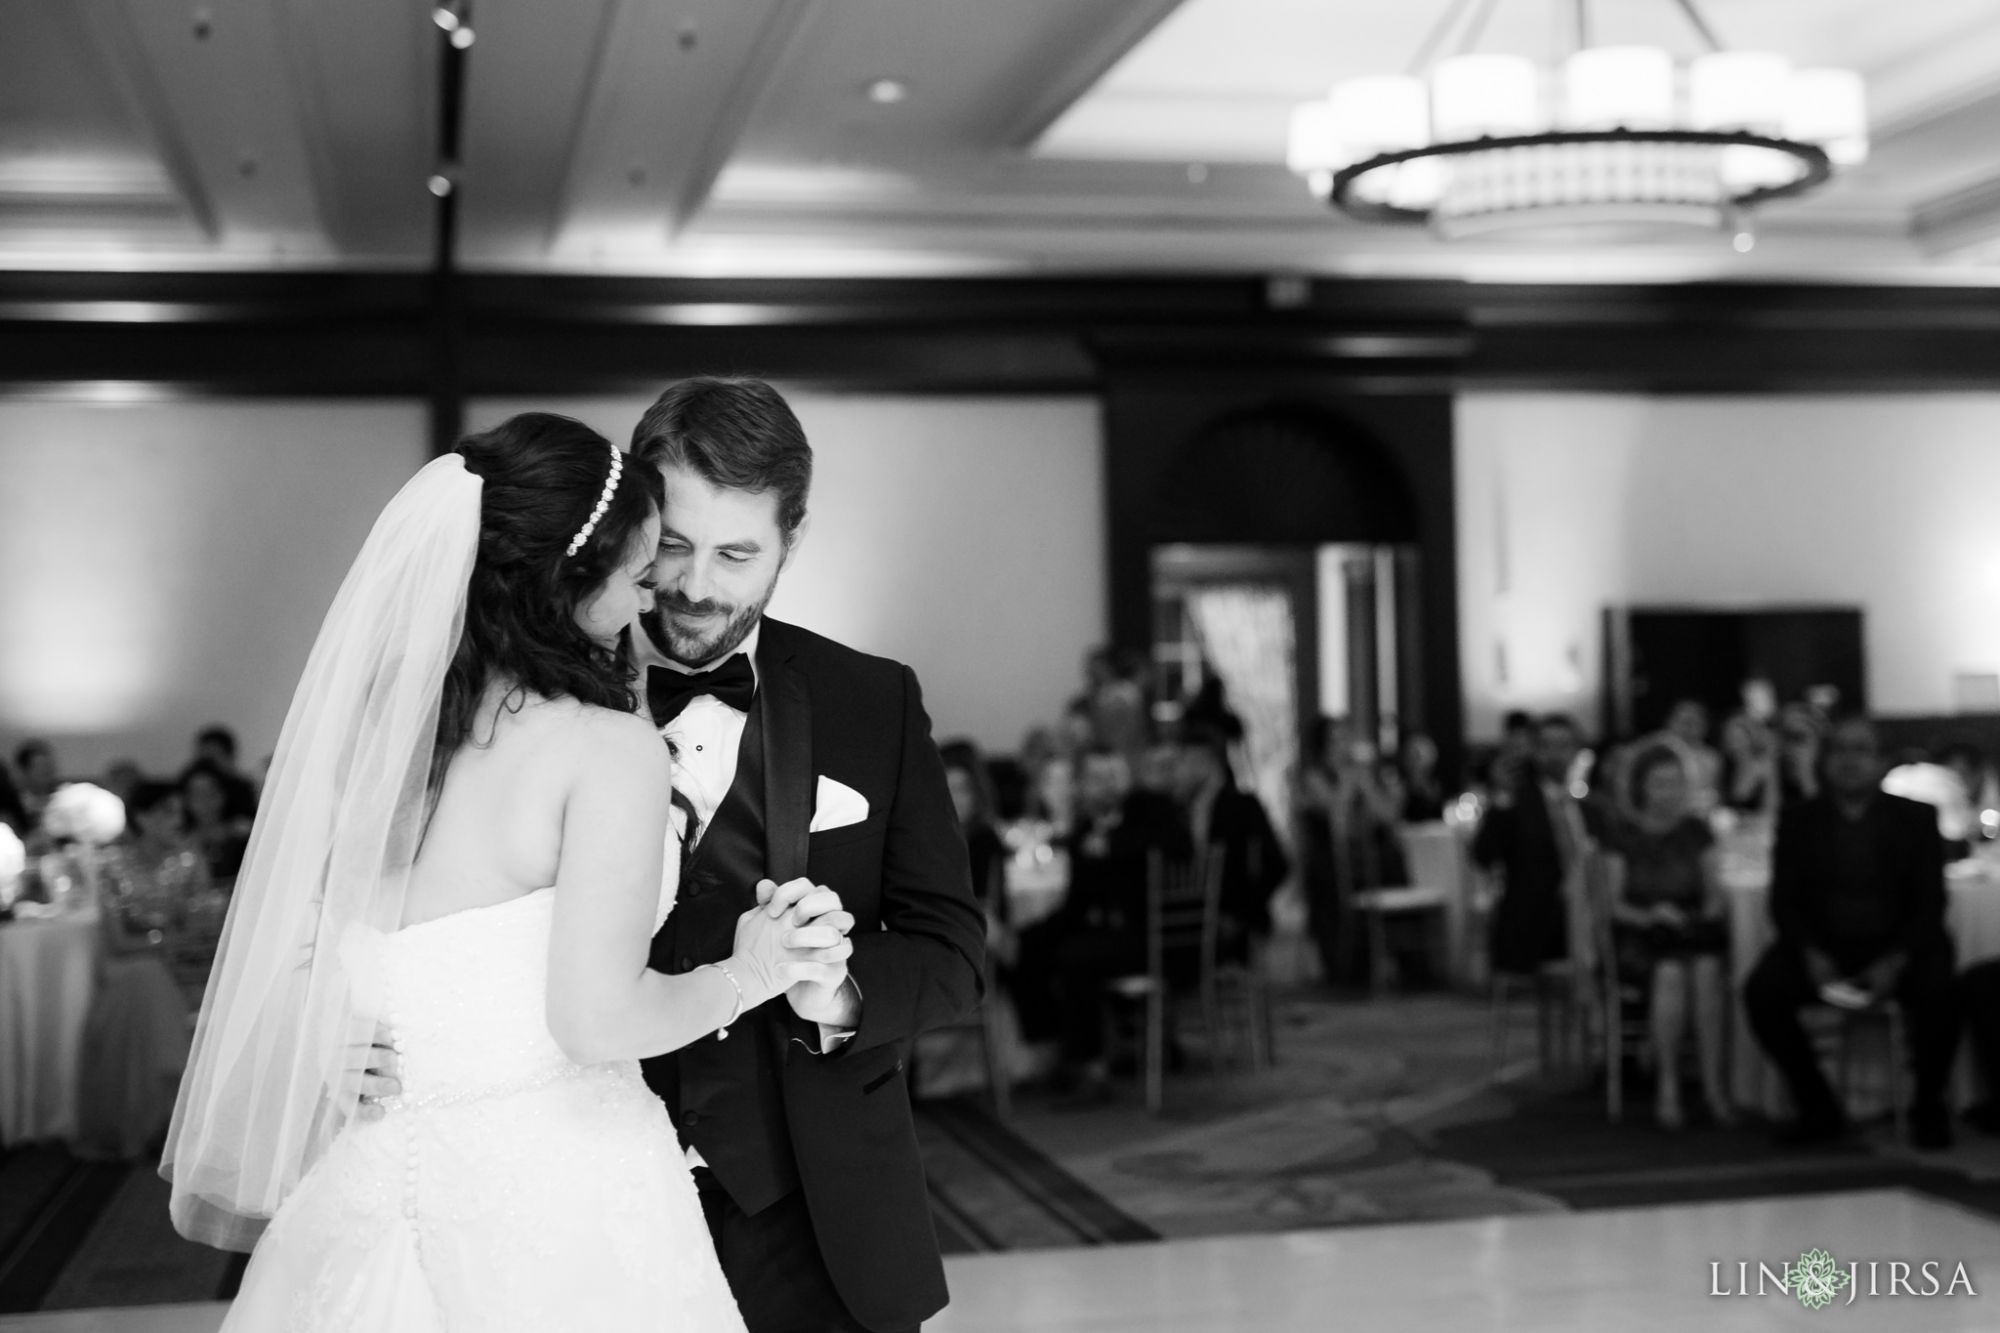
[(370, 1075), (796, 933)]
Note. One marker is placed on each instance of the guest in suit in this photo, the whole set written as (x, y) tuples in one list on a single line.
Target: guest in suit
[(1233, 824), (1099, 932), (1979, 1002), (1857, 896), (797, 757), (1533, 834)]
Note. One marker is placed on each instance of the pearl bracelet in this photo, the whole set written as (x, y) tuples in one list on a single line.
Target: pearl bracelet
[(722, 1033)]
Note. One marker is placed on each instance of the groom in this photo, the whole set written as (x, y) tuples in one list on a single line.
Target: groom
[(797, 757)]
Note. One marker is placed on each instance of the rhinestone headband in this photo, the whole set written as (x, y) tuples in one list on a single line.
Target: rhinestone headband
[(603, 502)]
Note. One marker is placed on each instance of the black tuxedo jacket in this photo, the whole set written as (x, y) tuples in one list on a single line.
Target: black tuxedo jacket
[(1902, 875), (827, 710)]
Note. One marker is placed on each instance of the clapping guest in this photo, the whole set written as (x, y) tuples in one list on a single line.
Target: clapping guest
[(136, 1041), (1858, 902), (1799, 754), (1233, 824), (1348, 818), (1669, 926), (1749, 765)]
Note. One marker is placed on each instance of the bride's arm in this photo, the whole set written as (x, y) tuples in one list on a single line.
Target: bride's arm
[(604, 1003)]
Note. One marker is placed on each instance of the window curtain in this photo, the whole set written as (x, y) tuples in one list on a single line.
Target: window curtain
[(1246, 635)]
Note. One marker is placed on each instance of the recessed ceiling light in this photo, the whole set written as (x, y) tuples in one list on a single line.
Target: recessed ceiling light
[(887, 92)]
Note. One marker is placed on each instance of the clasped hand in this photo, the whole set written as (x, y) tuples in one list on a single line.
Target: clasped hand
[(794, 942)]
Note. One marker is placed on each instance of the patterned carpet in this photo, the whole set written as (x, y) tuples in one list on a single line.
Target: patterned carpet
[(1381, 1111)]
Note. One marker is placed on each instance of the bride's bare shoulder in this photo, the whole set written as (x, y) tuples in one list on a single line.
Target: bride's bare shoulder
[(596, 738)]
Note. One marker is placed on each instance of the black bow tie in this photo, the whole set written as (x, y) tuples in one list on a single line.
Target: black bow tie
[(668, 691)]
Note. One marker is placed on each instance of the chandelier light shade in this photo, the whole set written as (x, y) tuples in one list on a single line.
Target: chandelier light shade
[(1486, 97), (1481, 142)]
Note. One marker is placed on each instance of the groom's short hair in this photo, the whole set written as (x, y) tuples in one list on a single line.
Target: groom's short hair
[(737, 433)]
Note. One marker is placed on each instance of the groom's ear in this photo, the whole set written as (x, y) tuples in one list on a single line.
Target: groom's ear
[(796, 539)]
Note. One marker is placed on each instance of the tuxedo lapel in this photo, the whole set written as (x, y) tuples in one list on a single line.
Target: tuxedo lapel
[(786, 701)]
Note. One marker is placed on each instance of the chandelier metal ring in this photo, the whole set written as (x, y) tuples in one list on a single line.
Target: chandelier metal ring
[(1817, 166)]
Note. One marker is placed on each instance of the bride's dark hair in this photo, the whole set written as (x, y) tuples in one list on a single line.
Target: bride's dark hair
[(542, 476)]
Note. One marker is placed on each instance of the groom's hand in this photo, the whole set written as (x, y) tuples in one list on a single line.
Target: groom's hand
[(825, 995)]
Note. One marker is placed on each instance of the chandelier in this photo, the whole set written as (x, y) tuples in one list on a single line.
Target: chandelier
[(1479, 143)]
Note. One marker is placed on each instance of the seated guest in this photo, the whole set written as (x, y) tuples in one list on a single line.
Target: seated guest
[(12, 812), (215, 749), (1799, 754), (221, 835), (1233, 824), (136, 1038), (1347, 821), (1669, 927), (1417, 771), (1749, 766), (972, 796), (1857, 897), (1534, 834), (1099, 932), (35, 763), (1979, 1001)]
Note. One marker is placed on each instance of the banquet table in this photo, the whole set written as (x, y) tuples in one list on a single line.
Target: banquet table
[(48, 971), (1972, 915)]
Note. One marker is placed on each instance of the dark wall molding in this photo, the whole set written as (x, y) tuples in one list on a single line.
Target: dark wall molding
[(366, 333)]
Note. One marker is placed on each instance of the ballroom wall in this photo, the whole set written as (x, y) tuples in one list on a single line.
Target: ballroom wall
[(1568, 503), (964, 536), (166, 564)]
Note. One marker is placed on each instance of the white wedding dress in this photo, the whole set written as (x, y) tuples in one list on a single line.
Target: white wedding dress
[(507, 1187)]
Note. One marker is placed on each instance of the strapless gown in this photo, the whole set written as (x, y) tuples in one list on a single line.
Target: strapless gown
[(508, 1187)]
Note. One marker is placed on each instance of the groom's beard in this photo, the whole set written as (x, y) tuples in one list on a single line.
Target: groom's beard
[(719, 630)]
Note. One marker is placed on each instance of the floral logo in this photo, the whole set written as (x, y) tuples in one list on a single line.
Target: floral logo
[(1816, 1279)]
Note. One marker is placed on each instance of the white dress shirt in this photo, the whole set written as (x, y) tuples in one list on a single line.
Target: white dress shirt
[(705, 739)]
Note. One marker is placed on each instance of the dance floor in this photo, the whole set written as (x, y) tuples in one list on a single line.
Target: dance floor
[(1644, 1270)]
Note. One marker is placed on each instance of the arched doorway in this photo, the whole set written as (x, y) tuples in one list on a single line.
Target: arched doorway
[(1286, 561)]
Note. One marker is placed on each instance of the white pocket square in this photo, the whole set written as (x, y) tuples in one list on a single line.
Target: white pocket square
[(836, 805)]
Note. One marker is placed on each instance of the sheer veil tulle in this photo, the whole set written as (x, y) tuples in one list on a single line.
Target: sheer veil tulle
[(327, 864)]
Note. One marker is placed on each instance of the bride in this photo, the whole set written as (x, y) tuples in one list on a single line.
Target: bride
[(466, 845)]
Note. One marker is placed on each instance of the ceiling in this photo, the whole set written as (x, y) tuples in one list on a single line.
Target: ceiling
[(737, 137)]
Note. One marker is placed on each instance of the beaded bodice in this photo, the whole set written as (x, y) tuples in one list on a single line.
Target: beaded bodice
[(464, 1000)]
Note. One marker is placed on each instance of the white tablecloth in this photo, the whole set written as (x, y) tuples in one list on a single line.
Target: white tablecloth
[(47, 976), (1438, 859), (1972, 915)]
